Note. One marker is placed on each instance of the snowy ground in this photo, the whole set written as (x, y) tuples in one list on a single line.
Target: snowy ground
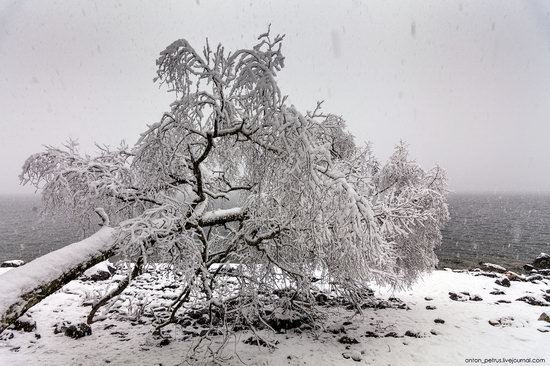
[(465, 333)]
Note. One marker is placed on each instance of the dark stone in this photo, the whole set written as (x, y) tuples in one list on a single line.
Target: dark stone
[(101, 275), (196, 314), (6, 335), (37, 336), (532, 301), (439, 321), (60, 327), (78, 331), (497, 292), (356, 356), (488, 274), (475, 298), (294, 320), (392, 335), (164, 342), (25, 323), (542, 261), (456, 297), (321, 298), (403, 306), (534, 278), (346, 323), (391, 303), (503, 282), (528, 267), (428, 298), (184, 322), (255, 341), (544, 317), (336, 329), (412, 334), (502, 322), (430, 307), (347, 340), (12, 264), (370, 334), (492, 267), (203, 320), (289, 293), (504, 301)]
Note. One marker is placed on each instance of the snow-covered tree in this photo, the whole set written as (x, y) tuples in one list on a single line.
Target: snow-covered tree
[(234, 180)]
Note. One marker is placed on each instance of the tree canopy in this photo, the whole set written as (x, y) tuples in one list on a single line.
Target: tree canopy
[(233, 179)]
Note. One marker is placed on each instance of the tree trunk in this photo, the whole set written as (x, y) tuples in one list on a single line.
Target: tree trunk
[(25, 286)]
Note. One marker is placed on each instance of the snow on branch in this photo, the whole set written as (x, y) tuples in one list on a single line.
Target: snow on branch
[(232, 174)]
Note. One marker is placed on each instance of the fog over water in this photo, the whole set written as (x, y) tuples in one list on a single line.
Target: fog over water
[(465, 83)]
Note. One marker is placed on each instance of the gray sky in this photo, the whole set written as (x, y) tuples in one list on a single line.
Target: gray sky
[(465, 83)]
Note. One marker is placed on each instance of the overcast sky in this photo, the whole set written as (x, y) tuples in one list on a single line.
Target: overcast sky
[(465, 83)]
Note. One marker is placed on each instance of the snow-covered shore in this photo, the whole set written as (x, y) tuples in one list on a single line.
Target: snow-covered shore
[(462, 332)]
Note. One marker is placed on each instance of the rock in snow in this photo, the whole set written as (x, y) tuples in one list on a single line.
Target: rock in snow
[(513, 276), (544, 317), (465, 332), (78, 331), (12, 263), (503, 282), (457, 297), (355, 356), (492, 267), (532, 301), (475, 298), (502, 322), (100, 272), (542, 261), (25, 323), (336, 329), (347, 340)]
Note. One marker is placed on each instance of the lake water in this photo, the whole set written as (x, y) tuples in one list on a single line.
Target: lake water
[(24, 236), (505, 229)]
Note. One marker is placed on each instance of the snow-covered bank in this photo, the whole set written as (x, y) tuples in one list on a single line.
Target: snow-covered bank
[(462, 331), (24, 286)]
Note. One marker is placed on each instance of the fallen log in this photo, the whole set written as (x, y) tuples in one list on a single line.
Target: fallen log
[(25, 286)]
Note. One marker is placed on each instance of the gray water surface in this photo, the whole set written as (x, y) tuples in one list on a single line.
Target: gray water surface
[(504, 229)]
